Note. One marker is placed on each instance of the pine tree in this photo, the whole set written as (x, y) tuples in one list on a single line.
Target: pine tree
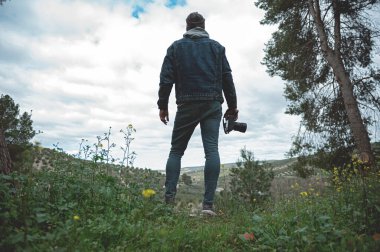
[(323, 49), (14, 130), (251, 180)]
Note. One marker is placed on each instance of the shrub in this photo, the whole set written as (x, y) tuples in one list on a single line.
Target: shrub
[(186, 179), (251, 180)]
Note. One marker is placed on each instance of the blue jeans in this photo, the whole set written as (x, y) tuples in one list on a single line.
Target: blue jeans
[(208, 114)]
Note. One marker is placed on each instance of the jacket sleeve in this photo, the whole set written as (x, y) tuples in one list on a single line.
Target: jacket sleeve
[(228, 85), (166, 79)]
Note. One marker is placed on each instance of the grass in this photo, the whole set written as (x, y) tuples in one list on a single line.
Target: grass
[(76, 205)]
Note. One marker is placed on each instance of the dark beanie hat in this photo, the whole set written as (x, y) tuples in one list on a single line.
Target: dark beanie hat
[(195, 20)]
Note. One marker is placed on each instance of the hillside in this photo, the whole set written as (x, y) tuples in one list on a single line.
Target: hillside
[(280, 167), (57, 202)]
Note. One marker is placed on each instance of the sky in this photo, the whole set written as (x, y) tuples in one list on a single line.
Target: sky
[(83, 66)]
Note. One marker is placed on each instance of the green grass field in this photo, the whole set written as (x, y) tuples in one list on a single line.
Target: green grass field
[(69, 204)]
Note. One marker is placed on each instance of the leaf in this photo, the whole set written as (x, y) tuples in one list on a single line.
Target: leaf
[(320, 238), (301, 230), (257, 218), (42, 217), (324, 218)]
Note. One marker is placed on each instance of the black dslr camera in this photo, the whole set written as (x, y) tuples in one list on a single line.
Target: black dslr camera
[(230, 124)]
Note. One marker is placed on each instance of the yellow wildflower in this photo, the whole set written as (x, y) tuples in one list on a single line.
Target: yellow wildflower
[(147, 193), (76, 218), (335, 171), (303, 194)]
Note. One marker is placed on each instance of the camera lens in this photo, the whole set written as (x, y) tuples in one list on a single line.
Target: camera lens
[(241, 127)]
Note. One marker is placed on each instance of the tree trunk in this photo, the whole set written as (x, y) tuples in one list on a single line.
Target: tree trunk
[(357, 126), (334, 59), (5, 158)]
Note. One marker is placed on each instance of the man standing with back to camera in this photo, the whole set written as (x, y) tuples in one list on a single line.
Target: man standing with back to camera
[(198, 67)]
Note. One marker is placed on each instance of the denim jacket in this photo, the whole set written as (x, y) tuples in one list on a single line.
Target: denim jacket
[(198, 67)]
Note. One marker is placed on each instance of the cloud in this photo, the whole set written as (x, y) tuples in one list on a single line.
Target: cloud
[(83, 66)]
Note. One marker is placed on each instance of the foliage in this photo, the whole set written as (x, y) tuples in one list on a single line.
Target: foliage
[(15, 132), (17, 128), (306, 165), (76, 205), (186, 179), (376, 150), (303, 168), (82, 205), (75, 201), (295, 54), (251, 180), (357, 183), (344, 218)]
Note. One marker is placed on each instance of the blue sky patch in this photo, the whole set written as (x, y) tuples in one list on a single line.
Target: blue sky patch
[(173, 3), (139, 6), (137, 10)]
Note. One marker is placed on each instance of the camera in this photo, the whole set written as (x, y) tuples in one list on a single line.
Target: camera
[(229, 124)]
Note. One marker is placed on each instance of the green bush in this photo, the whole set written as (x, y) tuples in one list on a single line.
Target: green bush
[(75, 205), (346, 217), (186, 179), (251, 180)]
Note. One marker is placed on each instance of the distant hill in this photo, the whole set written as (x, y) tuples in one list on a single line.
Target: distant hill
[(280, 167), (192, 169)]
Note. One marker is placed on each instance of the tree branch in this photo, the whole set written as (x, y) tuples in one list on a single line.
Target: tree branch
[(361, 80), (337, 34), (315, 11), (326, 12)]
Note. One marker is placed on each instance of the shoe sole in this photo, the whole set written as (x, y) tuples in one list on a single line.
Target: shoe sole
[(208, 212)]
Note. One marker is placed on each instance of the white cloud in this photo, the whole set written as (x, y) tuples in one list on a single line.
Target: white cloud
[(84, 66)]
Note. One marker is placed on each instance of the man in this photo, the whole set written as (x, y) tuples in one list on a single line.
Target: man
[(198, 67)]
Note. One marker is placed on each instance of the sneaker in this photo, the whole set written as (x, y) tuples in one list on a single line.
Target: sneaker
[(208, 210)]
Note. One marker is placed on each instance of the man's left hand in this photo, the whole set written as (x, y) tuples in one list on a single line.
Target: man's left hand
[(164, 116)]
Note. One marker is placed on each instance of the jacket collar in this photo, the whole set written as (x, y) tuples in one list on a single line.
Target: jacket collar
[(196, 32)]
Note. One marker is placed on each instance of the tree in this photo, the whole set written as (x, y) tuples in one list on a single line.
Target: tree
[(323, 49), (186, 179), (251, 180), (14, 130)]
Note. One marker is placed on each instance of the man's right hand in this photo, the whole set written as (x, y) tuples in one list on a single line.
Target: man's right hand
[(232, 113), (164, 116)]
